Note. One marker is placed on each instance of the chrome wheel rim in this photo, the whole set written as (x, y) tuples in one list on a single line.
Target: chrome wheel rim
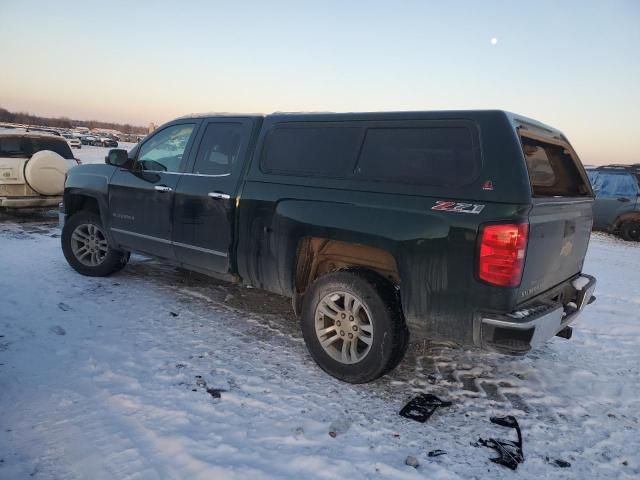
[(343, 327), (89, 244)]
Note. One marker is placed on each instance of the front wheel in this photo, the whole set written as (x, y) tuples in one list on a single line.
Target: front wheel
[(87, 248), (353, 326), (630, 230)]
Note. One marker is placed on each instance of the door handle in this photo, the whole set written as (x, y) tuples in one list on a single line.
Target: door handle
[(222, 196), (623, 199), (162, 188)]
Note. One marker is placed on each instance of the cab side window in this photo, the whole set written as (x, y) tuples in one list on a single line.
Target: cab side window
[(219, 149), (163, 152)]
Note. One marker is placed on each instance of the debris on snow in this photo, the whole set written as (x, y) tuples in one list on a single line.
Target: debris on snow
[(339, 426), (421, 408), (558, 462), (510, 453), (215, 392), (58, 330), (412, 461), (64, 307), (436, 453), (173, 314)]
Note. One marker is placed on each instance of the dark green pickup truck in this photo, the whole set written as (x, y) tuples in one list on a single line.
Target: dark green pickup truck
[(467, 226)]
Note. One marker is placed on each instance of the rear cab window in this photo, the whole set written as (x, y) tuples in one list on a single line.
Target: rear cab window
[(553, 168)]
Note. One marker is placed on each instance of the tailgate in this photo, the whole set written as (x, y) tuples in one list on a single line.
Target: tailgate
[(559, 232), (561, 216)]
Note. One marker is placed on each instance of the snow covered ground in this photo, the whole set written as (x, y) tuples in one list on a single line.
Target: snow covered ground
[(106, 378)]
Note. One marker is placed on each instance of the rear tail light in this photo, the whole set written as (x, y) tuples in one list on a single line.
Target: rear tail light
[(502, 252), (78, 161)]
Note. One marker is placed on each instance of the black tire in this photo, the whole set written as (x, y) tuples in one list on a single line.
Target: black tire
[(389, 338), (630, 230), (113, 261)]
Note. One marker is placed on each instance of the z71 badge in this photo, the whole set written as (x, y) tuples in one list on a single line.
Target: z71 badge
[(446, 206)]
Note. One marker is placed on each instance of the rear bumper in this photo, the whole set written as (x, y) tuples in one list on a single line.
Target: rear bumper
[(29, 202), (521, 330)]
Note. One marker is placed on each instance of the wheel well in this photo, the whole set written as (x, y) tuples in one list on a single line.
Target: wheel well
[(625, 217), (75, 203), (317, 256)]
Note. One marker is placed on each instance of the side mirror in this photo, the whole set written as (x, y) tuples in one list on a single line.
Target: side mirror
[(118, 157)]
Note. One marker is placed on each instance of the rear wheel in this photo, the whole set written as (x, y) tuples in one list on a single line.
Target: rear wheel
[(630, 230), (353, 326), (87, 248)]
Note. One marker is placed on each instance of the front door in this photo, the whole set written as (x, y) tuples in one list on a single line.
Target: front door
[(205, 199), (141, 199)]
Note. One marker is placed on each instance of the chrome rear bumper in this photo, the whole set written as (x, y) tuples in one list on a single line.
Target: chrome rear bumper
[(521, 330)]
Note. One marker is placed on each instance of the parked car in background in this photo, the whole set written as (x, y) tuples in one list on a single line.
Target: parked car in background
[(617, 205), (33, 166), (88, 139), (106, 142), (465, 226), (43, 130), (72, 140)]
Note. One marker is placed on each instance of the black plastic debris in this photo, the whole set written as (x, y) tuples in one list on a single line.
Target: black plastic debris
[(58, 330), (215, 392), (558, 462), (421, 408), (436, 453), (510, 453)]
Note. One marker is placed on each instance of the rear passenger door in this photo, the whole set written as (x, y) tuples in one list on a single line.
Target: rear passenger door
[(205, 197)]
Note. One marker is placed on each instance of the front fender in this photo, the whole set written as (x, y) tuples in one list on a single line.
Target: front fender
[(89, 181)]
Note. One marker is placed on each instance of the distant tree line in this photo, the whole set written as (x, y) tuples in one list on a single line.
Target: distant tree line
[(64, 122)]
